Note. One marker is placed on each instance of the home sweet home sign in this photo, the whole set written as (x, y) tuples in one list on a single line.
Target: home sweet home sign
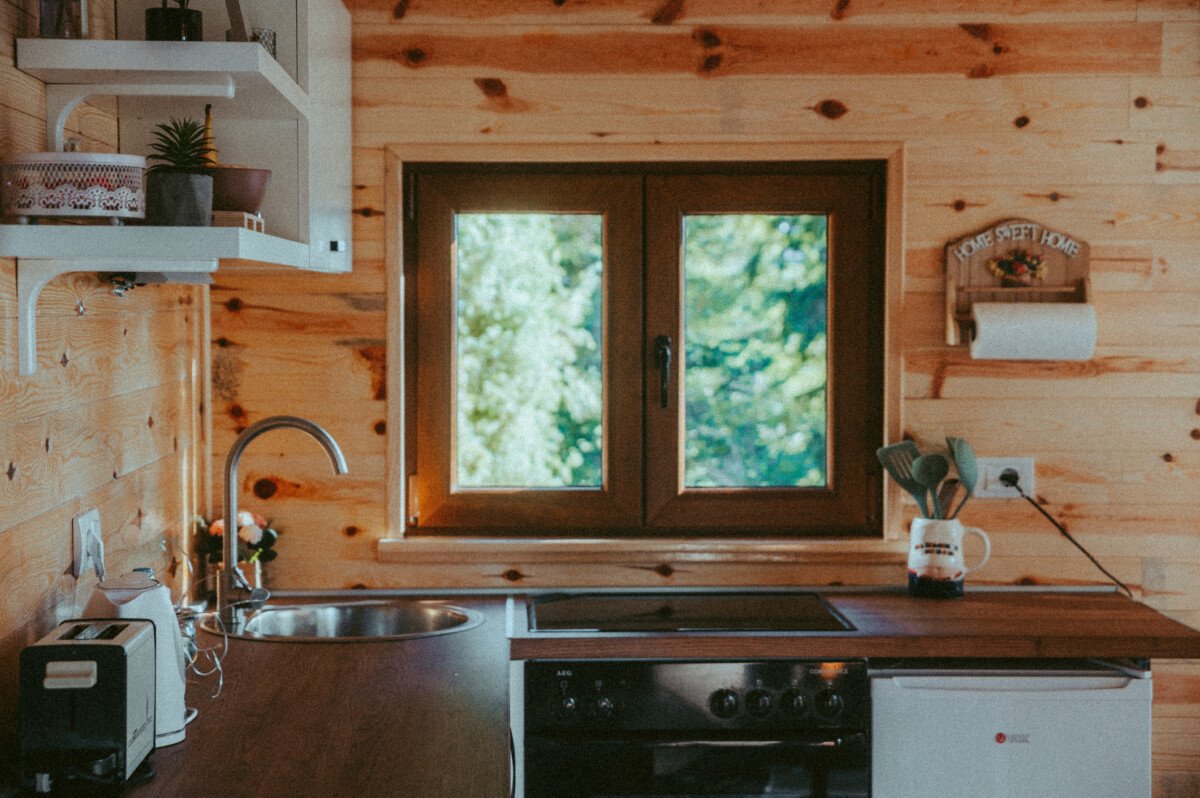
[(1014, 260)]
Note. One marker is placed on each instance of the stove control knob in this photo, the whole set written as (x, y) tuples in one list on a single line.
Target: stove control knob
[(723, 703), (604, 707), (759, 703), (830, 704), (568, 705), (794, 703)]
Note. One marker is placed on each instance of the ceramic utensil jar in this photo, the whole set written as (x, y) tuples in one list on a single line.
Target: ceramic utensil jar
[(935, 557)]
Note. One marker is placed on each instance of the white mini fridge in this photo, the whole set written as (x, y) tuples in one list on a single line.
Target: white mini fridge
[(1031, 732)]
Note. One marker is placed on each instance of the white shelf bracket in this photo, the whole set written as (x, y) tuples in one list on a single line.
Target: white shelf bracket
[(34, 273), (63, 98)]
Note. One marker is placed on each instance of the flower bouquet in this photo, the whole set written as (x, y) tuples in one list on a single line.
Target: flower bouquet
[(256, 539), (256, 545), (1018, 269)]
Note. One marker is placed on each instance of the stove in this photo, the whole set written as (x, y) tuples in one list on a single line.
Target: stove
[(609, 728), (703, 612)]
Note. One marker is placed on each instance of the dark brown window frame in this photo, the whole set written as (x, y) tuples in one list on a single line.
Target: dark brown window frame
[(849, 507)]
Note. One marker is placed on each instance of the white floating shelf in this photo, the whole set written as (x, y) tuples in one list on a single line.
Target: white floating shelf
[(146, 245), (262, 88)]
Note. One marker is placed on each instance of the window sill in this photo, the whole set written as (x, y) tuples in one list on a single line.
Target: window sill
[(650, 564)]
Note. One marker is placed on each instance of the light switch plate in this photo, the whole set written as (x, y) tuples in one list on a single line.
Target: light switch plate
[(989, 485), (85, 528)]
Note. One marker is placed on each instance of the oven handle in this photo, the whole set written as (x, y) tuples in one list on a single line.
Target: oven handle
[(823, 744)]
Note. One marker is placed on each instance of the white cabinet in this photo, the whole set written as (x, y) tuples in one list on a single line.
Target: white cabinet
[(290, 115)]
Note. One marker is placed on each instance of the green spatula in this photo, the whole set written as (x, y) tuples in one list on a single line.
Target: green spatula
[(897, 460)]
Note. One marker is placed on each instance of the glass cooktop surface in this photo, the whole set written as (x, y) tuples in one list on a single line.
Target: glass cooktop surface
[(723, 612)]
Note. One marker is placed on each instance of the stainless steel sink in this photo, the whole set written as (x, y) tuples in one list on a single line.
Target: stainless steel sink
[(353, 621)]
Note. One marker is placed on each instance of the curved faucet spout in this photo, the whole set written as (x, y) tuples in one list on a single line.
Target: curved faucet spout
[(230, 577)]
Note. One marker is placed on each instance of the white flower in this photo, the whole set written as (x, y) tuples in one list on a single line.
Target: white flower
[(245, 518), (251, 533)]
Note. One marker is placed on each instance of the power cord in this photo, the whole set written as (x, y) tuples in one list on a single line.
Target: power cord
[(1011, 478)]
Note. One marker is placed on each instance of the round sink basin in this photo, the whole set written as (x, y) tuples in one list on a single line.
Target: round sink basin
[(353, 621)]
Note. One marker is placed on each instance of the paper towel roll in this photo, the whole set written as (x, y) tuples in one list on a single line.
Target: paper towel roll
[(1033, 331)]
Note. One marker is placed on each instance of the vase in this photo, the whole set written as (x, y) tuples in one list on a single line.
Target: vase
[(178, 199)]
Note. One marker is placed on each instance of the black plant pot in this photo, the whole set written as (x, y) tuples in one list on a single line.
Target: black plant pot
[(174, 25), (179, 199)]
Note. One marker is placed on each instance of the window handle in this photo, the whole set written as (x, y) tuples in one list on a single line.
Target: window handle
[(662, 362)]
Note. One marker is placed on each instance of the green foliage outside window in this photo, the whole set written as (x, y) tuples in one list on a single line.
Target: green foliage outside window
[(529, 376), (530, 389), (754, 319)]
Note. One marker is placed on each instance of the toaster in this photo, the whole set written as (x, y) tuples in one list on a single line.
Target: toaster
[(87, 703)]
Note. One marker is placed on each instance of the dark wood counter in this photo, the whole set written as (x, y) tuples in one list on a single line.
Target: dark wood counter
[(892, 624), (425, 717), (429, 717)]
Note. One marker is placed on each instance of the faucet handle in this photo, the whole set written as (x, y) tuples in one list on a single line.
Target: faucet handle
[(258, 597)]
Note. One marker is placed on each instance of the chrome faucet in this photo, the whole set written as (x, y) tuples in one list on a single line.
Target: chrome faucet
[(231, 578)]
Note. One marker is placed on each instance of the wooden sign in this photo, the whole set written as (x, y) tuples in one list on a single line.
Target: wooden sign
[(1014, 260)]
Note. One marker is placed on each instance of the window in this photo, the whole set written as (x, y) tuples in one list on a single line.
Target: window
[(652, 349)]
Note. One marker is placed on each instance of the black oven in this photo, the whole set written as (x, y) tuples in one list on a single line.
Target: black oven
[(626, 728)]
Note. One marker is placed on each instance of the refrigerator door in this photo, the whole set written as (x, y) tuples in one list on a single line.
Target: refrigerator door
[(1010, 736)]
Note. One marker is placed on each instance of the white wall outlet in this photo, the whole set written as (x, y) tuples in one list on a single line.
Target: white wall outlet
[(88, 545), (989, 485)]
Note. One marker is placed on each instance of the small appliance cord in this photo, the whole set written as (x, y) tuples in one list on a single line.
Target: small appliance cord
[(1011, 478)]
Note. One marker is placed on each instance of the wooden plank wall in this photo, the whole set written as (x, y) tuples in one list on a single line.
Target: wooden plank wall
[(108, 420), (1080, 114)]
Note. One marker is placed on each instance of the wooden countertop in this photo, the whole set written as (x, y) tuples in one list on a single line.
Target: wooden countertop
[(893, 624), (425, 717)]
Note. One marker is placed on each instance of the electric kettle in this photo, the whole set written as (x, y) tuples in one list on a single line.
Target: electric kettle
[(136, 595)]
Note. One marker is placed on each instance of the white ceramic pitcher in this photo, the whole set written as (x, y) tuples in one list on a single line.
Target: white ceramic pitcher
[(935, 557)]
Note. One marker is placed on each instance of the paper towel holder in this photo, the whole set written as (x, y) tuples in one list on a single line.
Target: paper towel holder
[(1012, 260)]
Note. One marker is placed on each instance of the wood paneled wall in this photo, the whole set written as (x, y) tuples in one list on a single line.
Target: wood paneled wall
[(110, 419), (1079, 114)]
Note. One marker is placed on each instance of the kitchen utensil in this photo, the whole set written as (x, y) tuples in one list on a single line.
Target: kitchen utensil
[(897, 460), (946, 494), (935, 557), (136, 595), (930, 470), (966, 466)]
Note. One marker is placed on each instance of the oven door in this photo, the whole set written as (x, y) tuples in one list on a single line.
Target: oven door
[(832, 765)]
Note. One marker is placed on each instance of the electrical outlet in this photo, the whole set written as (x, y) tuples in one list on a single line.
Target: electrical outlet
[(87, 542), (989, 485)]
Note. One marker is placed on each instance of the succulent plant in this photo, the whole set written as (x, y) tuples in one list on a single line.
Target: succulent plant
[(182, 146)]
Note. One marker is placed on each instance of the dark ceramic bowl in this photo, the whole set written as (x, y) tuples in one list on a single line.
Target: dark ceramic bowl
[(239, 188)]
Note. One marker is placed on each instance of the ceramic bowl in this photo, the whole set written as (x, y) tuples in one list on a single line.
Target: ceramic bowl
[(239, 188)]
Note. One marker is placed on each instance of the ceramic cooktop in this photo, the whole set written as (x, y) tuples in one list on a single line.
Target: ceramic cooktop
[(723, 612)]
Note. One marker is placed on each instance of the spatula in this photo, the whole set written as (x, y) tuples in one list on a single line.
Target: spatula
[(946, 495), (965, 465), (897, 460)]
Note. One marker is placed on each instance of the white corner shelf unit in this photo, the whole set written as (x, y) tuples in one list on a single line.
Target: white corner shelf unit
[(297, 125), (290, 115)]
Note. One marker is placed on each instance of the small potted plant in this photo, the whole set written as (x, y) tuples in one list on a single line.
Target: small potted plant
[(179, 189), (180, 24)]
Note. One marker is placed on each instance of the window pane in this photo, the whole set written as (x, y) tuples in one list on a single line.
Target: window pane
[(529, 386), (755, 315)]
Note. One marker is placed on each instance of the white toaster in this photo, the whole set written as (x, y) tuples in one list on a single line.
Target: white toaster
[(87, 702)]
